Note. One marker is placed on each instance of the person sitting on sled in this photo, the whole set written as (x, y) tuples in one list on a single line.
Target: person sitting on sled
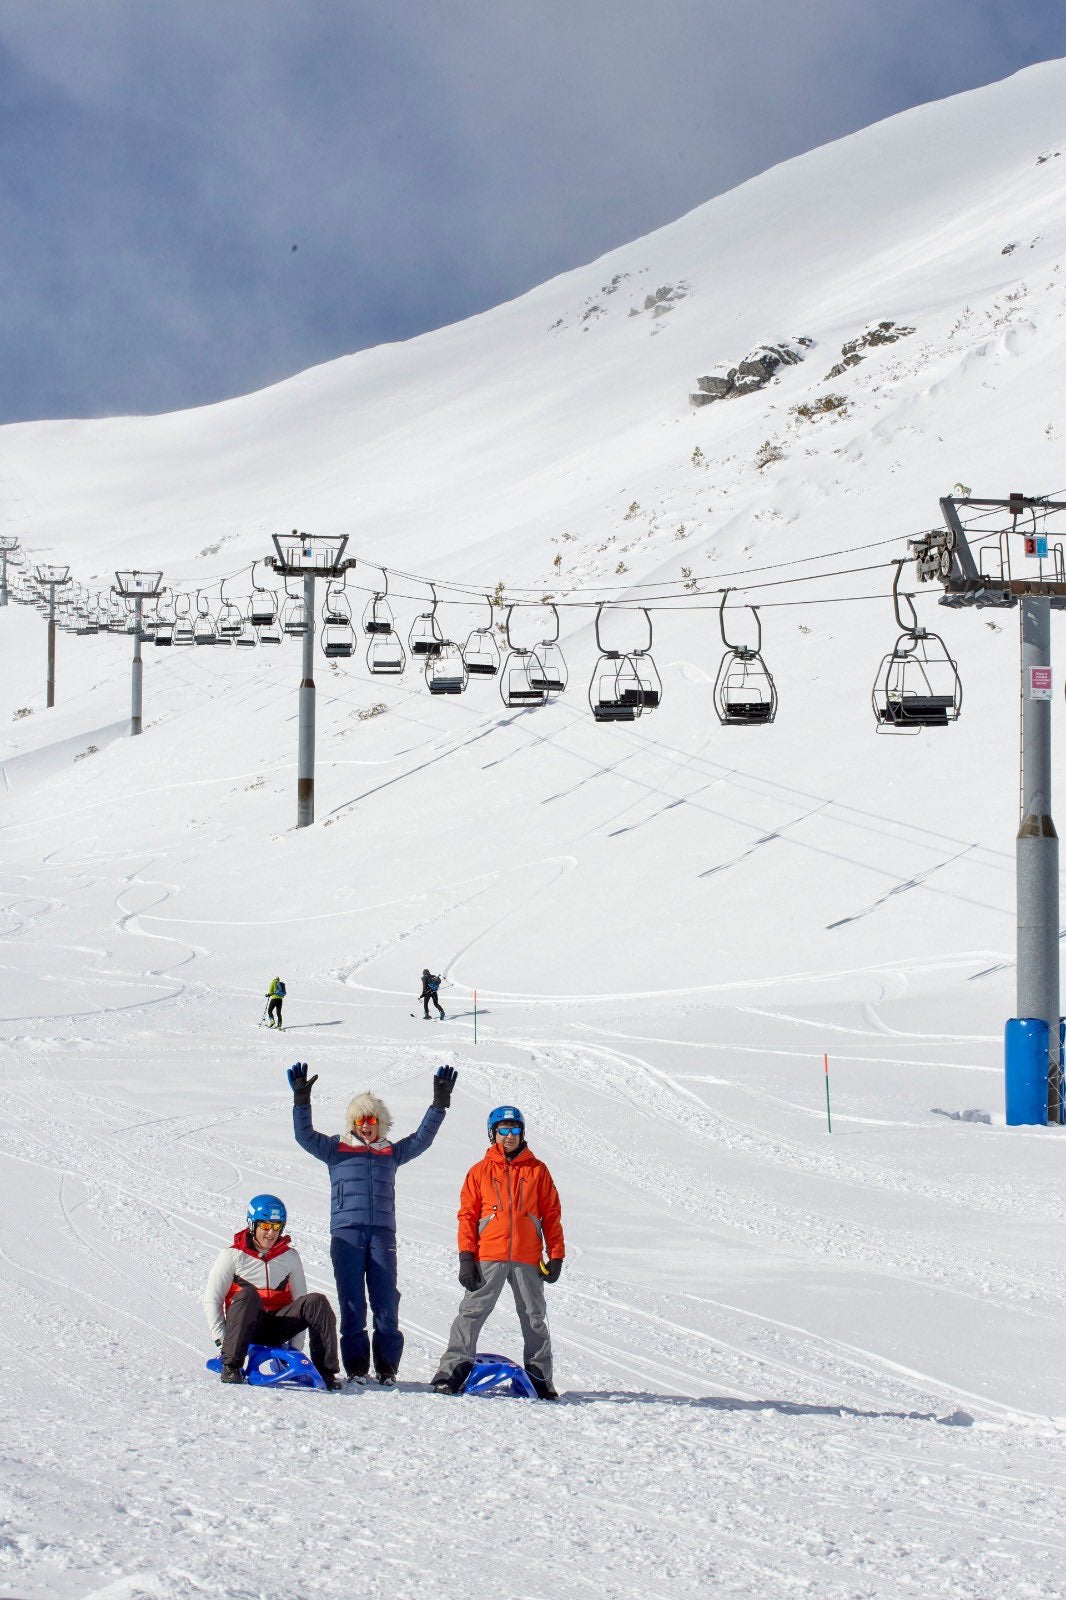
[(257, 1294), (362, 1168), (430, 985), (275, 995), (509, 1218)]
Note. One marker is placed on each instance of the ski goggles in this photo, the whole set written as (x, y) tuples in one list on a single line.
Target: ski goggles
[(275, 1227), (507, 1127), (370, 1117)]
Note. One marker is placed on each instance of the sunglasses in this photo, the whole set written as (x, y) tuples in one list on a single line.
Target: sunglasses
[(361, 1120), (275, 1227)]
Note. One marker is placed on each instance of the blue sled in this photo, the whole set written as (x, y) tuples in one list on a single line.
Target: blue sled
[(276, 1367), (496, 1375)]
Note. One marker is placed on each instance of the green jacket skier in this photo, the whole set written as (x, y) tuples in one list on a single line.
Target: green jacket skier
[(275, 995)]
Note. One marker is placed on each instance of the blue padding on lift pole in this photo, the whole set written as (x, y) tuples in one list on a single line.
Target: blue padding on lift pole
[(1026, 1058)]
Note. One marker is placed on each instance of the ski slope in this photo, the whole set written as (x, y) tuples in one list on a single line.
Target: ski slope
[(792, 1362)]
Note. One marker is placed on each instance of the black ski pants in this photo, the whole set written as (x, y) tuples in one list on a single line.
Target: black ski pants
[(247, 1323), (426, 998), (274, 1008)]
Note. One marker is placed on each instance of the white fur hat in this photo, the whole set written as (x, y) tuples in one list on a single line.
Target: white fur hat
[(367, 1104)]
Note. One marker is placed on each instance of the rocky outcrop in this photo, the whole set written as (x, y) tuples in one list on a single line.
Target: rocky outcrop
[(756, 370), (874, 334)]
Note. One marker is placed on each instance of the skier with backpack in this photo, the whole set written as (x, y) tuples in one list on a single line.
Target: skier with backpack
[(362, 1168), (257, 1294), (274, 996), (430, 985), (509, 1219)]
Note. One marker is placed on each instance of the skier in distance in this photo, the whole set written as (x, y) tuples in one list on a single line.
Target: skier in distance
[(509, 1217), (257, 1294), (275, 995), (362, 1168), (430, 985)]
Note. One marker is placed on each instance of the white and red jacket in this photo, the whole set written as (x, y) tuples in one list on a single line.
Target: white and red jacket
[(277, 1277)]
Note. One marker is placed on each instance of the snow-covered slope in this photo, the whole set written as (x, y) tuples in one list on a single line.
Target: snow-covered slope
[(667, 926)]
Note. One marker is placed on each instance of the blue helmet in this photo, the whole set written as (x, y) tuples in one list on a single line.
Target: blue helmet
[(266, 1208), (505, 1114)]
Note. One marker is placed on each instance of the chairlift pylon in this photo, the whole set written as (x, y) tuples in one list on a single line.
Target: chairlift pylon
[(917, 684), (745, 694)]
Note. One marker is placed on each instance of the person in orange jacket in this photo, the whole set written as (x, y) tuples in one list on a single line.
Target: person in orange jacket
[(509, 1220)]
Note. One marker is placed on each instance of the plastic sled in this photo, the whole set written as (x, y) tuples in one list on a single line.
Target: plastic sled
[(276, 1367), (497, 1375)]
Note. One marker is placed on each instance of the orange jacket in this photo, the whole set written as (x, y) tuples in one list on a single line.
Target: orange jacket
[(510, 1211)]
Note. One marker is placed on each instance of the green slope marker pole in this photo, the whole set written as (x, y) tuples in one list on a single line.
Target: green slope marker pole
[(828, 1113), (475, 1016)]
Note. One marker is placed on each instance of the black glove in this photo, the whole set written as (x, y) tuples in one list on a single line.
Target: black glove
[(469, 1271), (443, 1084), (218, 1344), (550, 1270), (300, 1084)]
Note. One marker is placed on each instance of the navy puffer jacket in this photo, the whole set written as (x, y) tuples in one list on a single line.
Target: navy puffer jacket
[(363, 1176)]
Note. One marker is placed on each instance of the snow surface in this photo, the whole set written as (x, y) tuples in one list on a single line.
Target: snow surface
[(793, 1363)]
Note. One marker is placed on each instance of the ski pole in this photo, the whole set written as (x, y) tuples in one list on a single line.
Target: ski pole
[(475, 1016), (828, 1113)]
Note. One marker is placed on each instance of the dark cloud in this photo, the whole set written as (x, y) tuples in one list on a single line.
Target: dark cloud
[(158, 163)]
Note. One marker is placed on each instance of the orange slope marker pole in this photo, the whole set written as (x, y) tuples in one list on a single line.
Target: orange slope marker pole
[(828, 1113)]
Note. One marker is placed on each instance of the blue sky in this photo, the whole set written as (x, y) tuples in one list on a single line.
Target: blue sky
[(427, 159)]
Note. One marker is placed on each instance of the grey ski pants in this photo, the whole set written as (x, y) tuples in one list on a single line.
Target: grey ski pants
[(527, 1285)]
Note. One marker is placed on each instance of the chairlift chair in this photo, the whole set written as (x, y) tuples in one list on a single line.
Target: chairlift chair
[(547, 670), (624, 684), (205, 629), (917, 684), (385, 655), (294, 619), (230, 621), (745, 694), (338, 640), (263, 605), (481, 652), (165, 618), (183, 631), (446, 673), (425, 638), (516, 679)]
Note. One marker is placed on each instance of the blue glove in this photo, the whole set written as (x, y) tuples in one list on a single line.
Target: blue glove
[(443, 1084), (300, 1084)]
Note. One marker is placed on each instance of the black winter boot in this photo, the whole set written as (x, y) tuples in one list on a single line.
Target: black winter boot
[(232, 1374), (541, 1384)]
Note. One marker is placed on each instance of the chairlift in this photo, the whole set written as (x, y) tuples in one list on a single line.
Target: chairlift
[(263, 605), (230, 621), (745, 694), (378, 617), (481, 652), (183, 628), (165, 619), (385, 655), (517, 687), (294, 619), (446, 673), (547, 670), (336, 607), (338, 635), (624, 684), (917, 684), (425, 638), (205, 629)]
